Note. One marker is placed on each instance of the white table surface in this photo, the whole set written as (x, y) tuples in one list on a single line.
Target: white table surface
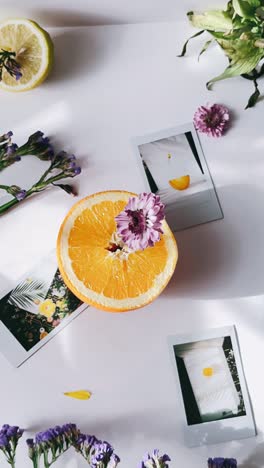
[(97, 12), (111, 83)]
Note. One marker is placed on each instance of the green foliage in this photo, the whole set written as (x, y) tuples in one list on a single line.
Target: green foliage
[(239, 31), (26, 293), (216, 20)]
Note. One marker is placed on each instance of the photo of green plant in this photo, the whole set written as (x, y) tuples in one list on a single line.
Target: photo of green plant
[(37, 305)]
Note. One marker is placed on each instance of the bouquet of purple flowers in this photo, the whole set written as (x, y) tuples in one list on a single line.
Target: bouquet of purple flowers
[(49, 445)]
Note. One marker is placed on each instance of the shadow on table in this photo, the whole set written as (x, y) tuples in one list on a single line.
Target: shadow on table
[(223, 259), (68, 18), (166, 428), (255, 459), (73, 56)]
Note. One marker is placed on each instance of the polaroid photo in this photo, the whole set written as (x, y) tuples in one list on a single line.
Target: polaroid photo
[(173, 166), (34, 310), (211, 387)]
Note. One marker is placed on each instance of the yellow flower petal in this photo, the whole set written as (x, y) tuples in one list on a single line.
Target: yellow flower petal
[(79, 395)]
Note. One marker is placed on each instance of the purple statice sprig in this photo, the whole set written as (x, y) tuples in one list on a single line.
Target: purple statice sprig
[(62, 166), (37, 145), (212, 120), (222, 463), (49, 445), (9, 437), (8, 150), (99, 454), (139, 225), (155, 460), (9, 64)]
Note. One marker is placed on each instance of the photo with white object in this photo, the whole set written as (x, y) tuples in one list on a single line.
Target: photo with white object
[(211, 387), (173, 166), (34, 310)]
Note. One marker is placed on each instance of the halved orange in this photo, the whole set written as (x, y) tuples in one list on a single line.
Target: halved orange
[(182, 183), (105, 277)]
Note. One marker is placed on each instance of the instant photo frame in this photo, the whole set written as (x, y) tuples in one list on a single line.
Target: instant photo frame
[(200, 356), (173, 166), (23, 329)]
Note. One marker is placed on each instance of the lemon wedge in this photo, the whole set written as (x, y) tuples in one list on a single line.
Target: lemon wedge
[(34, 52)]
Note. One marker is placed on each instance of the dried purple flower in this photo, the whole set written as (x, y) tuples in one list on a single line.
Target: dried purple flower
[(222, 463), (21, 195), (140, 223), (212, 120), (4, 442), (13, 68), (37, 145), (15, 191), (101, 455), (9, 437), (10, 150), (52, 443), (9, 64), (155, 460), (6, 136), (66, 162), (97, 453)]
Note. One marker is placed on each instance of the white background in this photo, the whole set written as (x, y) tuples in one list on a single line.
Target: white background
[(94, 12), (108, 84)]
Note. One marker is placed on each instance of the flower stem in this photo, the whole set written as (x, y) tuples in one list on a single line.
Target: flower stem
[(46, 461), (8, 205), (4, 187)]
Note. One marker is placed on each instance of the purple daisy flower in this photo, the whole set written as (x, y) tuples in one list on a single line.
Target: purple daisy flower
[(140, 224), (212, 120)]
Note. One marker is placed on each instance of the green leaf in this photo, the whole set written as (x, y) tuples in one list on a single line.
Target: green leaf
[(215, 20), (244, 57), (205, 47), (246, 8), (253, 99), (186, 43), (26, 293)]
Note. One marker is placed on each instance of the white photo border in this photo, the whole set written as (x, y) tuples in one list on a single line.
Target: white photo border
[(223, 430), (10, 347), (201, 212)]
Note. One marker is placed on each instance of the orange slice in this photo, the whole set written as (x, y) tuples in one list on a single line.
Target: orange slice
[(95, 272), (182, 183)]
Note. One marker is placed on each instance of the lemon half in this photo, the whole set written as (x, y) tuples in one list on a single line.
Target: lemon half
[(34, 52)]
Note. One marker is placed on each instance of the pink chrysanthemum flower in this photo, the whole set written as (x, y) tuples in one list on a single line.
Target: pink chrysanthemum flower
[(140, 224), (212, 120)]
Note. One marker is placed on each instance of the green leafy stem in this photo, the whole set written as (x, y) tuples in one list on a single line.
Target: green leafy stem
[(45, 181), (239, 31)]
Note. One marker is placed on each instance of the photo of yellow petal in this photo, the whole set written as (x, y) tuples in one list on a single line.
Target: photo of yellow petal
[(79, 394), (182, 183), (208, 371)]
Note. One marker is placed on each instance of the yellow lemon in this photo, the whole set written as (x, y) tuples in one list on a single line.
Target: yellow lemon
[(34, 52)]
